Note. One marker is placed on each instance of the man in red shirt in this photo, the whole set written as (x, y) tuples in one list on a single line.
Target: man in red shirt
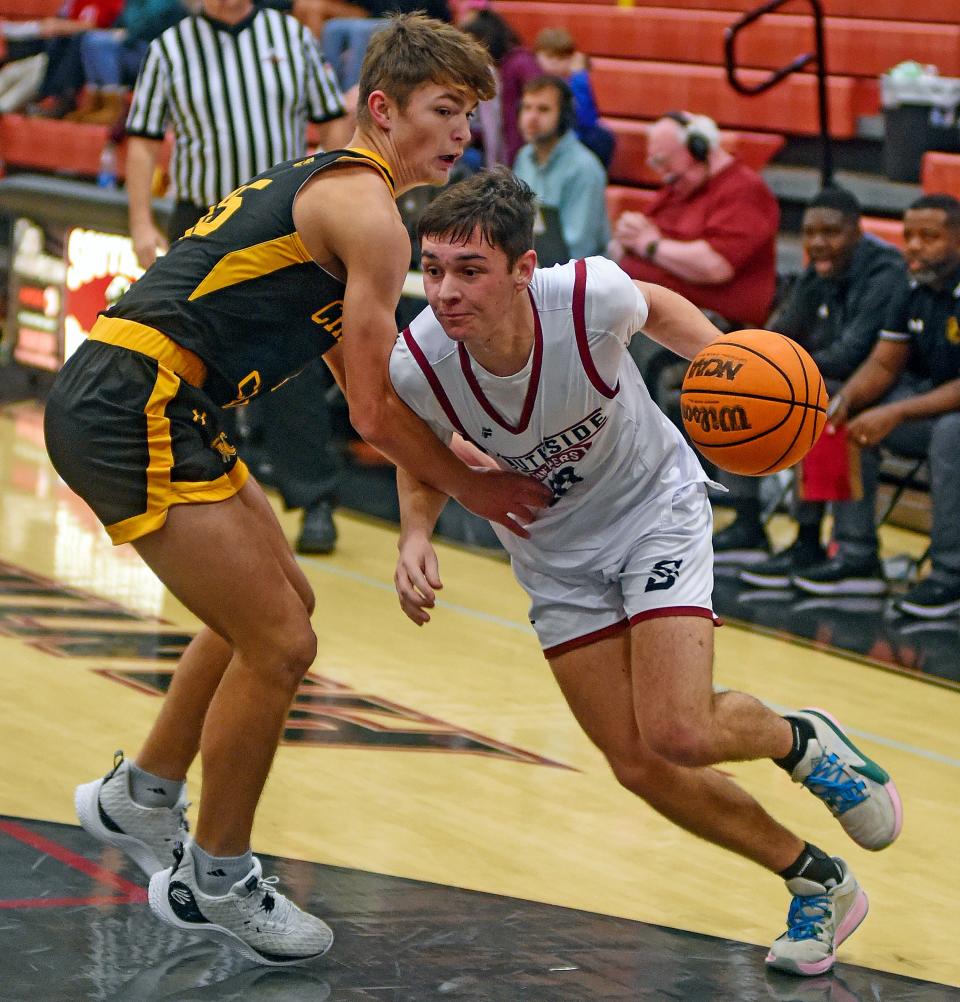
[(710, 235)]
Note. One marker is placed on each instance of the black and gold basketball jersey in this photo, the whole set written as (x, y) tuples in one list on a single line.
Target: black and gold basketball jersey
[(240, 289)]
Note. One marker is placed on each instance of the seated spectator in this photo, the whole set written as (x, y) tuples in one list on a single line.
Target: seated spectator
[(345, 39), (559, 168), (111, 59), (906, 396), (711, 233), (107, 61), (835, 310), (498, 120), (558, 56), (26, 46)]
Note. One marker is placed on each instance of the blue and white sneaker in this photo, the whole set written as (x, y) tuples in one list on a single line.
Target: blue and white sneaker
[(858, 793), (820, 918)]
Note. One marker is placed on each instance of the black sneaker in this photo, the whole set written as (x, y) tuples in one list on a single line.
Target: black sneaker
[(931, 599), (842, 575), (318, 533), (777, 571), (742, 542)]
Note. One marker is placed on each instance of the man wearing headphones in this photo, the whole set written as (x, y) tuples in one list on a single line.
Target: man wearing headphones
[(710, 234), (561, 171)]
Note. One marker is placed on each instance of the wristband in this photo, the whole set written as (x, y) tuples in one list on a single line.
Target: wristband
[(650, 251)]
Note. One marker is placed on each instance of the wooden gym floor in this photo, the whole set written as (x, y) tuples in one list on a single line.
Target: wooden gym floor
[(433, 798)]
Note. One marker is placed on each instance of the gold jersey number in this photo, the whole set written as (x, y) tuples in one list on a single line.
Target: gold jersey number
[(224, 209)]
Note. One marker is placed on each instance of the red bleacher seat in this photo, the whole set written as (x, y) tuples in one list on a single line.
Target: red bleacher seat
[(27, 10), (52, 145), (890, 230), (629, 163), (940, 173), (621, 198), (940, 11), (854, 47), (46, 144), (641, 89)]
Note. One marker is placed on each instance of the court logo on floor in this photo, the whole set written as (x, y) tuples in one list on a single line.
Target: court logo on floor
[(141, 652)]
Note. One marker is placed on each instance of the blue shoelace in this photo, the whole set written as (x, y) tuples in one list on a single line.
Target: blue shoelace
[(831, 784), (806, 916)]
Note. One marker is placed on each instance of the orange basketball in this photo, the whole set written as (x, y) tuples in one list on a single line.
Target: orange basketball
[(753, 402)]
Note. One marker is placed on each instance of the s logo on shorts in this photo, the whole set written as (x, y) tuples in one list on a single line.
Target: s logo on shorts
[(663, 575)]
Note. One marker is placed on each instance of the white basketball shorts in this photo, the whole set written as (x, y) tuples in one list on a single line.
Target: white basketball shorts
[(667, 571)]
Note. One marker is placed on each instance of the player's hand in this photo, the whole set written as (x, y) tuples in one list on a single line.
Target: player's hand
[(509, 499), (417, 578), (870, 427), (147, 242)]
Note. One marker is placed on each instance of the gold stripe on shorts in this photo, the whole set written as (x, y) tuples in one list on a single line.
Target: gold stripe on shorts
[(162, 492), (152, 343)]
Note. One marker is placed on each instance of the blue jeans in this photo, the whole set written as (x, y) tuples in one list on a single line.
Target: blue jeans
[(344, 44), (109, 61)]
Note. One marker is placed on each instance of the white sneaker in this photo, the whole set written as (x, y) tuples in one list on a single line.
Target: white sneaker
[(819, 920), (109, 813), (253, 916), (859, 794)]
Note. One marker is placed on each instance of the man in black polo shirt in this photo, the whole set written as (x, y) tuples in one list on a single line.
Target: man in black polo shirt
[(906, 395), (835, 311)]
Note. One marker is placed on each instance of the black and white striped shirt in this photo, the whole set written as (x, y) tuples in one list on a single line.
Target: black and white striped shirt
[(238, 97)]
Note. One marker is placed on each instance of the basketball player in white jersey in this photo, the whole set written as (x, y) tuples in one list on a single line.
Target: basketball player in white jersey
[(528, 370)]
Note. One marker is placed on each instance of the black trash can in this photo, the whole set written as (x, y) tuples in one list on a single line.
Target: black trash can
[(919, 114)]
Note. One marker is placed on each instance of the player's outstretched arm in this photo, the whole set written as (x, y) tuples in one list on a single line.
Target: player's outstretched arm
[(675, 322), (417, 576), (417, 573), (351, 219)]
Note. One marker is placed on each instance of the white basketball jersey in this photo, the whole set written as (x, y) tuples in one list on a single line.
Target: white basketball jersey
[(577, 417)]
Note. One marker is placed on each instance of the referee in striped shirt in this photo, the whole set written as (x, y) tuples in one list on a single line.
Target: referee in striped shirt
[(238, 84)]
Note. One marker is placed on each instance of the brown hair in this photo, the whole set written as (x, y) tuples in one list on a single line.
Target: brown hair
[(414, 50), (496, 201), (555, 42)]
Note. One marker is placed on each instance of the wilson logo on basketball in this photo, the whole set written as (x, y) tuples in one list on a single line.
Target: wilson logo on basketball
[(753, 402), (716, 418), (715, 367)]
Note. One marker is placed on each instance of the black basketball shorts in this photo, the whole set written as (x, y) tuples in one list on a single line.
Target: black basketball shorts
[(132, 432)]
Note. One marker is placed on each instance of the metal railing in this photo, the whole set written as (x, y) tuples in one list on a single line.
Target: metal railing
[(818, 56)]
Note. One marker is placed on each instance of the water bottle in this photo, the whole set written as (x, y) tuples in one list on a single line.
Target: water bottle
[(107, 171)]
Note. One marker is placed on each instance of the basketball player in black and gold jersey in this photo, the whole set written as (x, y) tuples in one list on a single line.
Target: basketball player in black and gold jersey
[(306, 259)]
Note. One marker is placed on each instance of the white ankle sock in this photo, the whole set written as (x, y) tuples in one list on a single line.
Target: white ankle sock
[(149, 790), (217, 874)]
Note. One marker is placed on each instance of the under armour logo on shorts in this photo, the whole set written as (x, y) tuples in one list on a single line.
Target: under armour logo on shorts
[(663, 575)]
